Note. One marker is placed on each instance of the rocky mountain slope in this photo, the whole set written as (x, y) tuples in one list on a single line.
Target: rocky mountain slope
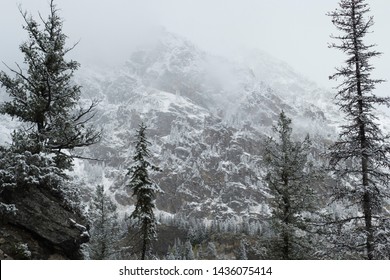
[(207, 118)]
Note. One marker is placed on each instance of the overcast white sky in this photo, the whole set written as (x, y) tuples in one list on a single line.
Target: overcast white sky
[(296, 31)]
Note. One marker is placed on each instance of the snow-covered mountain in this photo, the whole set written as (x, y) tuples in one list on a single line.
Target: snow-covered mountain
[(207, 117)]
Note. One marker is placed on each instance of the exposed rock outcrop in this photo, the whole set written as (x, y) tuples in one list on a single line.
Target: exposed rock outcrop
[(42, 227)]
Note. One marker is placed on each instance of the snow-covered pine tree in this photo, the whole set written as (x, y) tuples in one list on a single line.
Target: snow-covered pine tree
[(290, 178), (170, 255), (44, 97), (178, 249), (145, 190), (105, 227), (211, 251), (199, 252), (188, 253), (241, 252), (360, 157)]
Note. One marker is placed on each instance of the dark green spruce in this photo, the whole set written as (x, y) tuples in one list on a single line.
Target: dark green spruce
[(105, 227), (145, 191), (290, 178)]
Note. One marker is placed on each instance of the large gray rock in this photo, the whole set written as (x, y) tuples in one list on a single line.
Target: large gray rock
[(42, 226)]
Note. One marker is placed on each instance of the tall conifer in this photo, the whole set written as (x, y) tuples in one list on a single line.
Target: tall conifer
[(290, 178), (44, 97), (145, 190), (105, 227), (360, 157)]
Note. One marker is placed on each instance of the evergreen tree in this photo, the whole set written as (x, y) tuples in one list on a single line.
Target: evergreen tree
[(46, 101), (199, 252), (145, 190), (188, 252), (178, 249), (105, 228), (289, 178), (44, 98), (241, 253), (211, 251), (360, 157), (170, 255)]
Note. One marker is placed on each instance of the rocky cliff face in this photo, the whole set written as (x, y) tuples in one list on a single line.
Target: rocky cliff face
[(42, 227), (207, 118)]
